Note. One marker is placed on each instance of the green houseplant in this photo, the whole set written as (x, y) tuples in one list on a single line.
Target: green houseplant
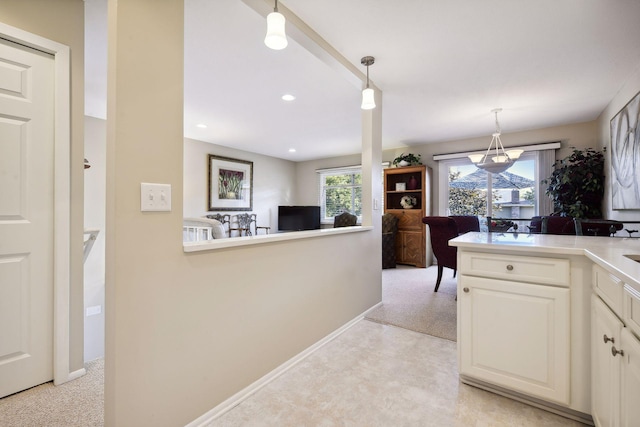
[(576, 184), (407, 160)]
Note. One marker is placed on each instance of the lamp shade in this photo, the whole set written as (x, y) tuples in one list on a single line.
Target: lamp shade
[(368, 101), (476, 158), (514, 154), (276, 38)]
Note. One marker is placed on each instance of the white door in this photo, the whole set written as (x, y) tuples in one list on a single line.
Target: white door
[(26, 217)]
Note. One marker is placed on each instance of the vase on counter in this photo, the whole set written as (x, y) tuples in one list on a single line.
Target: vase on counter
[(413, 183)]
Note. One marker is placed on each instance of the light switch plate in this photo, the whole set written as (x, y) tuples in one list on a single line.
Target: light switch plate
[(155, 197)]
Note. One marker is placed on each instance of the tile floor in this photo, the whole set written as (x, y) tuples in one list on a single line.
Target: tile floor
[(379, 375)]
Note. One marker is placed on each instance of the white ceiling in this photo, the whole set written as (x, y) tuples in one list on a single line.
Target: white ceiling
[(442, 67)]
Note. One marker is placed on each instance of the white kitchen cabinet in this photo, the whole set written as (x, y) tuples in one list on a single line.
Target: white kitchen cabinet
[(615, 357), (630, 380), (515, 335), (606, 331)]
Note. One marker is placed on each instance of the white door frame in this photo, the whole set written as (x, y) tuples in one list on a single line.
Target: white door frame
[(62, 195)]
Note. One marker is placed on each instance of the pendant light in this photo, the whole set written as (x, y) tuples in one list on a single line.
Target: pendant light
[(368, 101), (276, 38), (498, 160)]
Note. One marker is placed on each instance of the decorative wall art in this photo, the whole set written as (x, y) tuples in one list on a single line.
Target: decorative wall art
[(230, 184), (625, 156)]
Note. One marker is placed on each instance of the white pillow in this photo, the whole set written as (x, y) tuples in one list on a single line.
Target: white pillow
[(218, 230)]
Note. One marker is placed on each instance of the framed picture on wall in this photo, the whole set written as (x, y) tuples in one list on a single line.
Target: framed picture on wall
[(230, 184), (625, 156)]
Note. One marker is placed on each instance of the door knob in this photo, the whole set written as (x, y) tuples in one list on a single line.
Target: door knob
[(510, 267), (607, 339), (466, 289), (615, 352)]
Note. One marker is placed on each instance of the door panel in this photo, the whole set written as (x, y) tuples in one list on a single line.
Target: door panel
[(26, 217), (516, 335)]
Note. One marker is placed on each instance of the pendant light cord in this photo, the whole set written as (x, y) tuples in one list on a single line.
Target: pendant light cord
[(367, 77), (275, 9)]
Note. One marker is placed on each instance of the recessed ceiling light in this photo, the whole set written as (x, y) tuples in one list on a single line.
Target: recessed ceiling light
[(292, 150), (201, 126), (288, 97)]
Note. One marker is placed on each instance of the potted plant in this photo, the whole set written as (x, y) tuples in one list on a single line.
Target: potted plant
[(576, 184), (407, 160)]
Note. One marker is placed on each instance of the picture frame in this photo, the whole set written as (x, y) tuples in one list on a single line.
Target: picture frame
[(401, 186), (230, 184), (625, 160)]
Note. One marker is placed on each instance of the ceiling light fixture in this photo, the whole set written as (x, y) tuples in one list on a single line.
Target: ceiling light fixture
[(502, 160), (288, 97), (368, 101), (201, 126), (276, 38)]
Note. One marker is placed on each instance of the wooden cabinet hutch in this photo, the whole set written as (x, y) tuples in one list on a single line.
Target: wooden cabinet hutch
[(412, 181)]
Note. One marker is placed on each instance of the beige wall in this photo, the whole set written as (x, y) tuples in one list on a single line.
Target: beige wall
[(187, 331), (63, 21), (624, 95), (274, 181), (578, 135), (307, 177)]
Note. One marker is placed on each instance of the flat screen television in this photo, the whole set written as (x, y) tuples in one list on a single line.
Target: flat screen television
[(297, 218)]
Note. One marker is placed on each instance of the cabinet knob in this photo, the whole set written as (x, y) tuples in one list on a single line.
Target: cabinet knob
[(607, 339), (615, 352), (466, 289), (510, 267)]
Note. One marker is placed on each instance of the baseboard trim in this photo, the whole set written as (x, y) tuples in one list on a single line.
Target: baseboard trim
[(245, 393), (72, 376), (538, 403)]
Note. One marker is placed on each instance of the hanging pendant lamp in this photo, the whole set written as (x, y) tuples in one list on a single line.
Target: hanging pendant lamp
[(368, 101), (498, 160), (276, 38)]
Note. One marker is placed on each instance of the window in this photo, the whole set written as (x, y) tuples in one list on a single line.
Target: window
[(340, 191), (513, 195)]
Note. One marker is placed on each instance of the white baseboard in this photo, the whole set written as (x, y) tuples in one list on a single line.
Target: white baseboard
[(72, 376), (245, 393)]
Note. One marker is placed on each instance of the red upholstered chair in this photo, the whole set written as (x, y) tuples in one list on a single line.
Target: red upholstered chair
[(466, 223), (597, 227), (442, 229), (558, 225)]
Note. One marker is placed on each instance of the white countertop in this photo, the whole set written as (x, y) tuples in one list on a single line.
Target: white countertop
[(608, 252)]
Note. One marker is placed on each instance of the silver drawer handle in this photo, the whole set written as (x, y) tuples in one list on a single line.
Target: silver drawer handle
[(510, 267), (607, 339), (616, 352), (466, 289)]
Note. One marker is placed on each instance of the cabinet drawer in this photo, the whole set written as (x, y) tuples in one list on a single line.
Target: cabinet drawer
[(550, 271), (410, 219), (608, 287), (632, 309)]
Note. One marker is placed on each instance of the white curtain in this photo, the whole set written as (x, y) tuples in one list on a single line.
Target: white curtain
[(546, 159)]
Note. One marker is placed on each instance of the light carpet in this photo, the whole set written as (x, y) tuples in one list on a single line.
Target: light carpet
[(78, 403), (408, 301)]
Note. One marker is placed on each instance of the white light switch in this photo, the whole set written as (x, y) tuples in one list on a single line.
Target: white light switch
[(155, 197), (92, 311)]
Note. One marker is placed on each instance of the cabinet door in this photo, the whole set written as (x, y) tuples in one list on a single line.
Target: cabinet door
[(515, 335), (409, 248), (630, 390), (410, 220), (605, 368)]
